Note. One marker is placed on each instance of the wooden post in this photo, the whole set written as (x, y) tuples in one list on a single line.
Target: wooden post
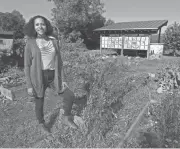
[(122, 49), (159, 38), (148, 51), (100, 43)]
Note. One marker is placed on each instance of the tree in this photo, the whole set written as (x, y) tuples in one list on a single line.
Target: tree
[(172, 38), (109, 22), (78, 18), (13, 21)]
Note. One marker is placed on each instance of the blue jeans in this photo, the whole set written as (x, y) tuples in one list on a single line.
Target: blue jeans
[(67, 96)]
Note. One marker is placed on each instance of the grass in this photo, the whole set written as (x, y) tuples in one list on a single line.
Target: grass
[(113, 93)]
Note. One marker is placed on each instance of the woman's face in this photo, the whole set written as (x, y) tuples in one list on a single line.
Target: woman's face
[(40, 26)]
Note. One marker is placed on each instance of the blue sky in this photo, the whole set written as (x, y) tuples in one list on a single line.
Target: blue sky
[(117, 10)]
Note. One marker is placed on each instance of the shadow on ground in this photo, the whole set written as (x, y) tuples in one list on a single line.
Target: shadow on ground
[(53, 118), (79, 104)]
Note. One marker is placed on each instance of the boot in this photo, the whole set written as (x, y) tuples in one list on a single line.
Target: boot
[(68, 99), (68, 120), (44, 128)]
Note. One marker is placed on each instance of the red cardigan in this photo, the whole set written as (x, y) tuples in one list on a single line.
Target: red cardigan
[(33, 67)]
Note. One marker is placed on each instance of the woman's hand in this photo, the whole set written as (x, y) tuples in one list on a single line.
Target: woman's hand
[(64, 86), (30, 91)]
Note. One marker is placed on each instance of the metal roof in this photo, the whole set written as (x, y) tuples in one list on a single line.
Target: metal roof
[(2, 32), (136, 25), (6, 33)]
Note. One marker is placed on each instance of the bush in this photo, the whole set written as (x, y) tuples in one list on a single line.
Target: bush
[(172, 38), (18, 47), (68, 46), (166, 113), (104, 84), (167, 116)]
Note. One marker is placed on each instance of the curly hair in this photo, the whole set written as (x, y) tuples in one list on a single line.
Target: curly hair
[(29, 29)]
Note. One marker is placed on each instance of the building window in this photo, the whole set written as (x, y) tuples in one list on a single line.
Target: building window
[(1, 41)]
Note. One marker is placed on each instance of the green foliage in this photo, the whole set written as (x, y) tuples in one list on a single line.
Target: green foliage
[(169, 78), (163, 116), (17, 54), (18, 51), (105, 84), (67, 46), (13, 21), (78, 18), (172, 38), (166, 114), (18, 47)]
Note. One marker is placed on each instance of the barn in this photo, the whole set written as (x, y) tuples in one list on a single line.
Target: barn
[(6, 41), (128, 37)]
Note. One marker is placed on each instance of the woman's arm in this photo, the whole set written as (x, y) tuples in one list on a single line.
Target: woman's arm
[(60, 61), (62, 73), (61, 69), (27, 65)]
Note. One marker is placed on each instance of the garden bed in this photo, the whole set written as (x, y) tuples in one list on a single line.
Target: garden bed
[(113, 92), (159, 125)]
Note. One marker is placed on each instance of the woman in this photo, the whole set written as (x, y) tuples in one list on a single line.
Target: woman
[(44, 68)]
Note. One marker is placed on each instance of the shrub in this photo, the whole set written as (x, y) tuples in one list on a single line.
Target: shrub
[(166, 112), (68, 46), (18, 47), (105, 83), (172, 38), (167, 116)]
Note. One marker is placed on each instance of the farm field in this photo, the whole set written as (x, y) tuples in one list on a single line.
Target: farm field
[(110, 94)]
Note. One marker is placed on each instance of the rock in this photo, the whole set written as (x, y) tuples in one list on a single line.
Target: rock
[(162, 89), (80, 123), (78, 120), (152, 75), (7, 93)]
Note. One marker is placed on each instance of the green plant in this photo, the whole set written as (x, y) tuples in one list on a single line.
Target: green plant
[(167, 116), (166, 112), (172, 38), (18, 47), (106, 83)]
